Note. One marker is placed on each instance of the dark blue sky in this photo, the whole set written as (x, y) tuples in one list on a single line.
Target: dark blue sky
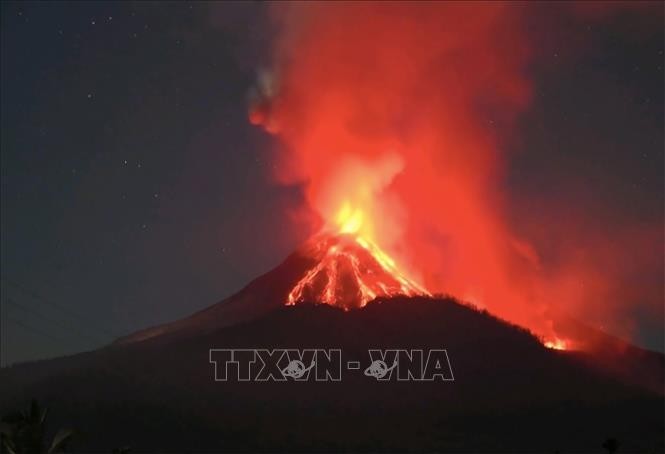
[(135, 192)]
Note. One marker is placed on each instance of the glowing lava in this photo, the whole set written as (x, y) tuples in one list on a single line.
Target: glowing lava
[(556, 344), (350, 270)]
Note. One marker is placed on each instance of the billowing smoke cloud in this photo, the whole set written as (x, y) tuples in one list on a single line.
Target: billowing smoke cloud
[(403, 110)]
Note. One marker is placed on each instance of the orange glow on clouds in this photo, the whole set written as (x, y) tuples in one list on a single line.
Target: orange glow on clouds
[(394, 117)]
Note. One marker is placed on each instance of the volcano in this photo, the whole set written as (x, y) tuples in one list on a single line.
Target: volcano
[(154, 390)]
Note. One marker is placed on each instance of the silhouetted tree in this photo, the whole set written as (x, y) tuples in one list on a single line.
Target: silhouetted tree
[(611, 445), (123, 450), (23, 432)]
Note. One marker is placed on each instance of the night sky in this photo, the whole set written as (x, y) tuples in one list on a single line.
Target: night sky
[(135, 192)]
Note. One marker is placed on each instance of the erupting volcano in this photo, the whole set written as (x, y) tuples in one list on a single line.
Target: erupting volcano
[(399, 126), (349, 272), (349, 268)]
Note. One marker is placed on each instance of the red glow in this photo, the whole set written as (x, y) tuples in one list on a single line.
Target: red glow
[(349, 272), (393, 118), (556, 344)]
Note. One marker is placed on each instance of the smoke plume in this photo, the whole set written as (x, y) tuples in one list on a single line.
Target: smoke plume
[(405, 111)]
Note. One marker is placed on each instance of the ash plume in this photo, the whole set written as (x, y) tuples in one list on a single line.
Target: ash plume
[(408, 110)]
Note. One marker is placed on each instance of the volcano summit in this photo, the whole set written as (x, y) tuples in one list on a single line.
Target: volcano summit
[(349, 272)]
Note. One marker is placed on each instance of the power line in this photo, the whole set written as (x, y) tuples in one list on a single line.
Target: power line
[(35, 330), (35, 295), (68, 329)]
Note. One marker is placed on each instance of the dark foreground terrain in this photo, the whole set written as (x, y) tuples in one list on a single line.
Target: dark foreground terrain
[(510, 394)]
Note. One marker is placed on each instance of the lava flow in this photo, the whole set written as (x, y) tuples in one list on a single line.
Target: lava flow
[(350, 270)]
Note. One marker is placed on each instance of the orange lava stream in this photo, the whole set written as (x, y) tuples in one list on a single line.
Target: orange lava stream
[(352, 272)]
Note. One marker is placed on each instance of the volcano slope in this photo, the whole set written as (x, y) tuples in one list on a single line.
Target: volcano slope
[(510, 394)]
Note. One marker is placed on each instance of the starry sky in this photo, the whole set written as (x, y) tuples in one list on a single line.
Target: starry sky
[(134, 191)]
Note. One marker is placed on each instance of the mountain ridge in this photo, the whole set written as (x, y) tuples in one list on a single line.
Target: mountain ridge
[(160, 394)]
